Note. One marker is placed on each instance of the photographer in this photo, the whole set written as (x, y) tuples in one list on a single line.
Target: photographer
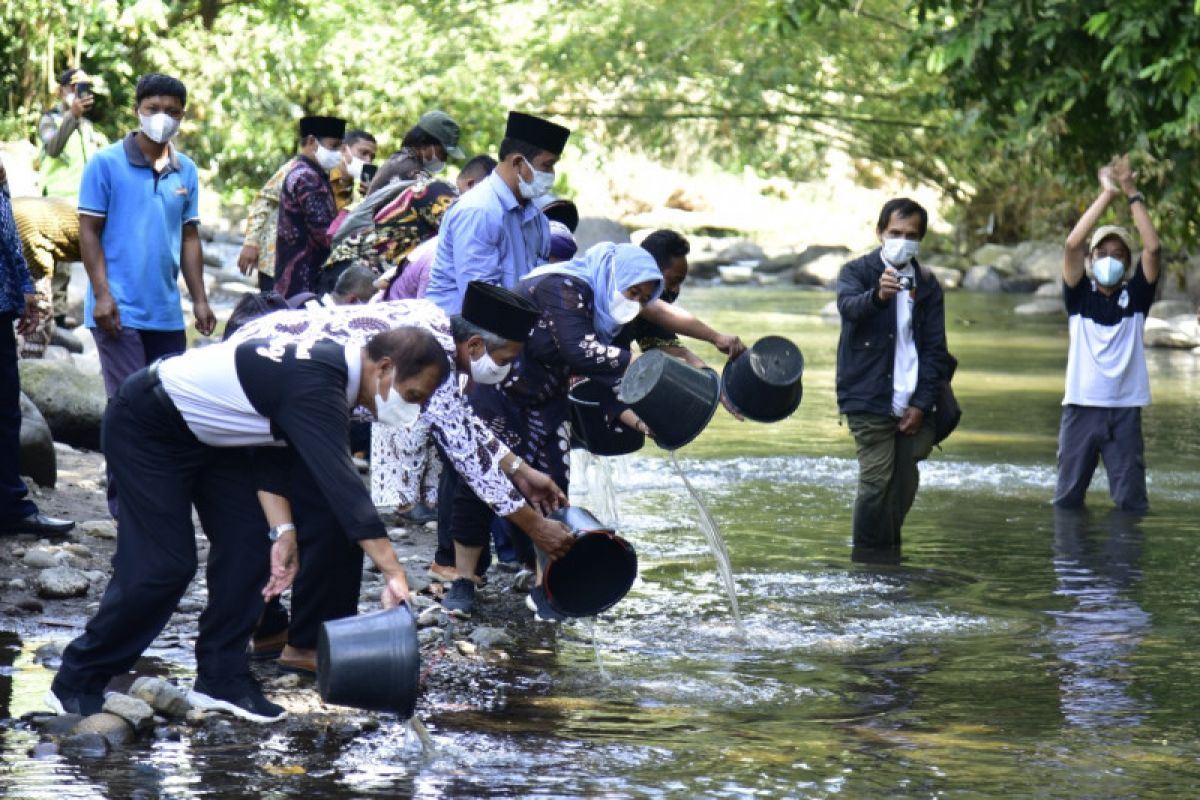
[(69, 140), (891, 355)]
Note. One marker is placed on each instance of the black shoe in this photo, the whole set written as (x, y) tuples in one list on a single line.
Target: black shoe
[(539, 604), (418, 514), (238, 695), (460, 599), (63, 701), (38, 523)]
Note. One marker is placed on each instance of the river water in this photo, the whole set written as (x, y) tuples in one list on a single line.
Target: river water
[(1013, 651)]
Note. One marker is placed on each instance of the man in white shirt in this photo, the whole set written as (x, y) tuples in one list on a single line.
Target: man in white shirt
[(1108, 297)]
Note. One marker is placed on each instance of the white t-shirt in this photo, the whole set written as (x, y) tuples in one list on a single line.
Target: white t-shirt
[(904, 366)]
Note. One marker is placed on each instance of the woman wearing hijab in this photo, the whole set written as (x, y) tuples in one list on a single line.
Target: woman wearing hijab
[(584, 303)]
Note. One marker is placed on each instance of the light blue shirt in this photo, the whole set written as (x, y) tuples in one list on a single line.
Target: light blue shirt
[(486, 236), (144, 213)]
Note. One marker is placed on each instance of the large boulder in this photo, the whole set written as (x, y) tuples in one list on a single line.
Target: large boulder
[(71, 401), (1161, 333), (983, 278), (742, 250), (948, 277), (1041, 261), (995, 255), (593, 230), (821, 271), (1021, 284), (1169, 309), (1051, 289), (38, 458)]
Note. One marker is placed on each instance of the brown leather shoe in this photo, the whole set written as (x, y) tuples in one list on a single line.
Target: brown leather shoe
[(295, 659)]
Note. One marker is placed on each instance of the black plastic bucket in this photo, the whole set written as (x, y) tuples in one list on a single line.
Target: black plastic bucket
[(675, 399), (764, 383), (595, 574), (371, 661), (589, 428)]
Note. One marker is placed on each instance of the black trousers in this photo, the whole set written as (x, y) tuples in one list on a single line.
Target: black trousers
[(164, 471), (14, 501), (330, 576)]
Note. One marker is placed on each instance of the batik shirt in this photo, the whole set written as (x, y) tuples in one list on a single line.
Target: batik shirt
[(15, 281), (302, 240), (262, 221), (468, 443)]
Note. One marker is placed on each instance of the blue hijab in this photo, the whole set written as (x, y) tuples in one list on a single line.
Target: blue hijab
[(608, 267)]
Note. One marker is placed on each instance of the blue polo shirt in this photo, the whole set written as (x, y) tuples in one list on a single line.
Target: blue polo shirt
[(144, 213)]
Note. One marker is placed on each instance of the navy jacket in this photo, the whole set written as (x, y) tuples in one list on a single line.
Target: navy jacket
[(867, 347)]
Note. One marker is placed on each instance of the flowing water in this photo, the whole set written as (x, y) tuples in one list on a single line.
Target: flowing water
[(1012, 652)]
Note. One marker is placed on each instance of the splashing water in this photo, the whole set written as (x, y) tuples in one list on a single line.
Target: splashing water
[(708, 526), (421, 734), (591, 629), (596, 487)]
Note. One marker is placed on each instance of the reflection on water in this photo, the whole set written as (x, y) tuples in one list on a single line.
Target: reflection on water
[(1012, 651)]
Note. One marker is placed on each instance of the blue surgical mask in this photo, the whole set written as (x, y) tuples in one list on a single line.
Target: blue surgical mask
[(1108, 271)]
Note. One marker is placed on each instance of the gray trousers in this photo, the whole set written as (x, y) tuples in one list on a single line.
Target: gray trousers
[(1089, 433), (888, 477)]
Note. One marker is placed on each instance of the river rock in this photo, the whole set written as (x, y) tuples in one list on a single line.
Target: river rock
[(1021, 284), (983, 278), (1163, 309), (71, 402), (47, 654), (38, 458), (61, 582), (56, 724), (1052, 289), (137, 713), (821, 271), (489, 638), (1161, 333), (85, 745), (433, 616), (1040, 306), (593, 230), (994, 255), (42, 558), (947, 277), (741, 250), (1040, 260), (115, 730), (163, 696), (781, 262), (100, 528), (430, 636)]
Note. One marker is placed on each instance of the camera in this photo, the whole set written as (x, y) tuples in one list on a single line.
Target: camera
[(368, 173), (83, 90), (906, 282)]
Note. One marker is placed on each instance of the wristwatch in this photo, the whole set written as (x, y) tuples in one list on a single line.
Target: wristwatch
[(516, 465), (280, 530), (1137, 198)]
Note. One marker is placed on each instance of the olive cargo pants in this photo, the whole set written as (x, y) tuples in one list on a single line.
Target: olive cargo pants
[(887, 476)]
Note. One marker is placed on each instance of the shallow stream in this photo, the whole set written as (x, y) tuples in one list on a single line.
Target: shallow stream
[(1012, 652)]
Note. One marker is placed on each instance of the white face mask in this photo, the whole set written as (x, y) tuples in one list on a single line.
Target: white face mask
[(328, 159), (900, 251), (486, 371), (433, 166), (69, 99), (1108, 271), (159, 127), (394, 410), (354, 168), (541, 183)]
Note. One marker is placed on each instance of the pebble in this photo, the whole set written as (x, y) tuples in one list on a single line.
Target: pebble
[(113, 729), (42, 558), (432, 616), (80, 550), (48, 653), (161, 695), (428, 636), (18, 584), (289, 680), (62, 582), (466, 648), (43, 750), (195, 717), (30, 605), (489, 638), (100, 528)]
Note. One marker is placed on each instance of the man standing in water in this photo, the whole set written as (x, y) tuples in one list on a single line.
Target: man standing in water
[(891, 356), (1107, 298)]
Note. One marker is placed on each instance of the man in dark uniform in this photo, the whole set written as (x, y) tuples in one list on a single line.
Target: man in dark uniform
[(178, 434)]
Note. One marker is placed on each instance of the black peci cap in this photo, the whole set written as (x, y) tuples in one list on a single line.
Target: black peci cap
[(559, 208), (323, 127), (499, 311), (537, 131)]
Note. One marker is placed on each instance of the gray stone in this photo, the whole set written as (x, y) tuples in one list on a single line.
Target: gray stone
[(433, 616), (1021, 284), (702, 268), (290, 680), (85, 745), (30, 605), (490, 638), (429, 636), (1160, 333), (71, 402), (43, 750), (38, 458), (821, 271), (1052, 289), (1043, 261), (115, 729), (593, 230), (42, 558), (781, 263), (48, 653), (983, 278), (1041, 306), (163, 696), (19, 584), (947, 277), (61, 582), (418, 582), (57, 724), (1166, 309), (994, 255), (100, 528), (742, 250), (195, 717), (137, 713)]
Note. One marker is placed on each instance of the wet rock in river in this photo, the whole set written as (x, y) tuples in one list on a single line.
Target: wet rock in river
[(429, 636), (161, 695), (18, 584), (196, 717), (42, 558), (48, 653), (43, 750), (56, 724), (114, 730), (432, 616), (137, 713), (100, 528), (39, 459), (29, 605), (489, 638), (86, 745), (62, 582)]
